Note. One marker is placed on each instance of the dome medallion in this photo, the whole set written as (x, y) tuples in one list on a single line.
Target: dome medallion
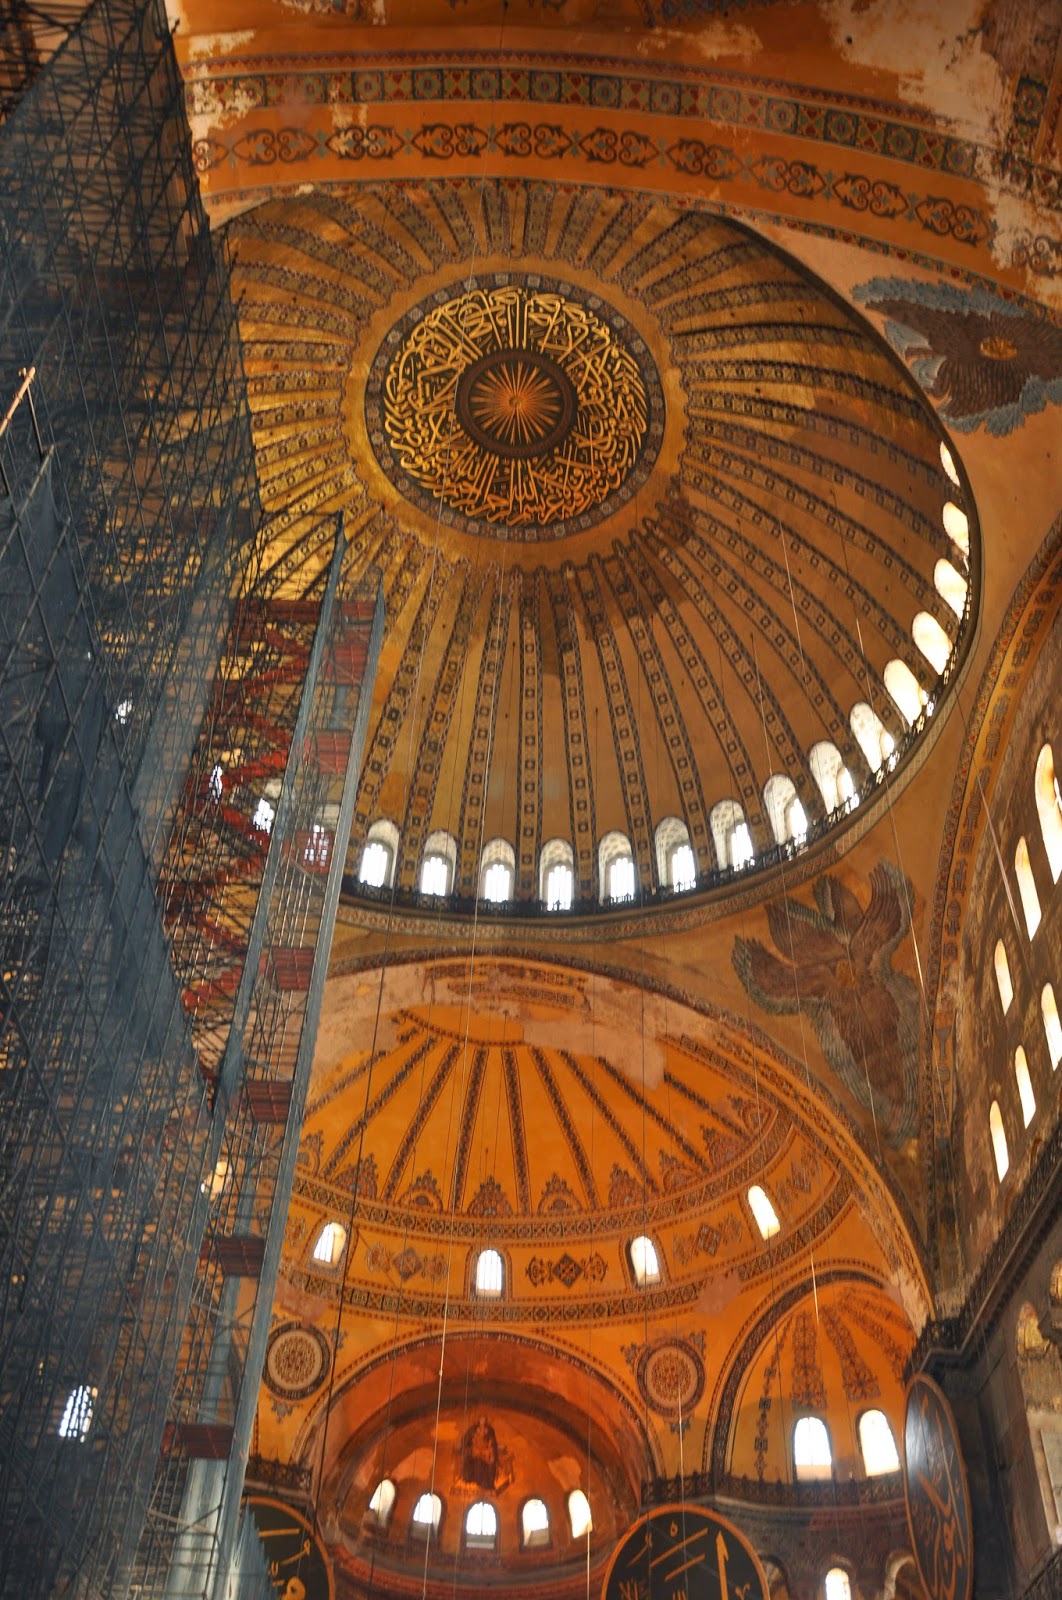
[(518, 404)]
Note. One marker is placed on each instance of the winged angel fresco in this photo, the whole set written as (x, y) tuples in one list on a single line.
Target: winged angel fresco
[(835, 965)]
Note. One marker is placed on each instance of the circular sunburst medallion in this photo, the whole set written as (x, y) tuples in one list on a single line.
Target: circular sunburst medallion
[(297, 1361), (518, 406), (670, 1375)]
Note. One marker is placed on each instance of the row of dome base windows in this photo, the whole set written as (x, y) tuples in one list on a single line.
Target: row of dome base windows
[(813, 1455), (1049, 814), (481, 1519), (488, 1277)]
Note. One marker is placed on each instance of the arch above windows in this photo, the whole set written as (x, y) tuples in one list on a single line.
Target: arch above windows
[(438, 863), (1052, 1025), (556, 875), (615, 862), (579, 1516), (382, 1503), (877, 1444), (784, 812), (1026, 1096), (481, 1526), (730, 835), (1049, 809), (676, 865), (812, 1455), (1003, 980), (497, 871), (830, 773), (931, 640), (999, 1140), (490, 1275), (534, 1525), (871, 735), (645, 1261), (427, 1514), (379, 854), (1030, 900), (330, 1244), (904, 690)]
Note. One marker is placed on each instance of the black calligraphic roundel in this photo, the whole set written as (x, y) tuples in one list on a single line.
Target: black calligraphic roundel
[(298, 1566), (684, 1553), (938, 1500)]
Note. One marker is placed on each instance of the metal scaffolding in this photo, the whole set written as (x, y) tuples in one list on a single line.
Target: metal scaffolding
[(176, 775)]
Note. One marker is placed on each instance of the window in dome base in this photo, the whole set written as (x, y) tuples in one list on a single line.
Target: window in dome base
[(1052, 1025), (579, 1514), (838, 1585), (764, 1212), (330, 1243), (481, 1526), (490, 1275), (382, 1503), (1025, 1088), (645, 1263), (999, 1140), (878, 1444), (426, 1515), (534, 1525), (812, 1456)]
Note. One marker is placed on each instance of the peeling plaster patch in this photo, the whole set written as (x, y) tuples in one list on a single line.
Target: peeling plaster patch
[(218, 44), (207, 109), (713, 40), (935, 48), (1024, 232)]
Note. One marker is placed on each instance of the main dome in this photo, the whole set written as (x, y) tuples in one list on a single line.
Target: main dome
[(674, 554)]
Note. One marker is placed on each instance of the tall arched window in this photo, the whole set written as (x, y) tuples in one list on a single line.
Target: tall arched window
[(616, 877), (382, 1503), (481, 1526), (534, 1524), (831, 774), (999, 1140), (378, 857), (764, 1212), (838, 1585), (877, 1444), (497, 871), (556, 875), (1052, 1025), (1025, 1088), (951, 586), (812, 1456), (1030, 900), (76, 1419), (1049, 809), (956, 526), (931, 639), (330, 1244), (676, 866), (783, 809), (438, 863), (904, 690), (871, 735), (947, 461), (645, 1263), (579, 1514), (490, 1275), (426, 1515), (730, 835), (1003, 983)]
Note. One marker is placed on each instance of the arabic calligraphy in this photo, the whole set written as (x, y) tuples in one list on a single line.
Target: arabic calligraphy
[(684, 1553), (514, 404), (938, 1507)]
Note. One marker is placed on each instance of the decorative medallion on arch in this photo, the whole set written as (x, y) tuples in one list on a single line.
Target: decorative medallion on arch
[(515, 403)]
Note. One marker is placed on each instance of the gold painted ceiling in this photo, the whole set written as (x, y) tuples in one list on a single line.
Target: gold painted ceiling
[(653, 510)]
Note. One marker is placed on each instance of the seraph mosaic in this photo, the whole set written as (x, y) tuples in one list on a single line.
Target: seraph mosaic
[(987, 362), (835, 965)]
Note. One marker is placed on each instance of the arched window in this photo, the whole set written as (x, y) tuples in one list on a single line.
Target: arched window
[(951, 586), (490, 1275), (556, 875), (382, 1503), (481, 1526), (534, 1525), (783, 809), (330, 1243), (904, 690), (947, 461), (497, 871), (730, 835), (1052, 1026), (616, 880), (999, 1140), (1049, 809), (676, 866), (579, 1514), (1030, 900), (838, 1585), (1003, 983), (265, 814), (76, 1419), (764, 1212), (379, 855), (956, 526), (878, 1444), (1025, 1088), (426, 1515), (645, 1263), (931, 639), (812, 1456), (831, 774), (871, 735), (438, 863)]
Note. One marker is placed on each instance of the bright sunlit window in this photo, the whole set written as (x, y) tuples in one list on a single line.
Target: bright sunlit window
[(579, 1514), (838, 1585), (330, 1242), (1025, 1088), (999, 1140), (947, 461), (931, 639), (426, 1514), (1030, 900), (764, 1212), (481, 1526), (682, 868), (1003, 983), (1052, 1025), (490, 1275), (383, 1502), (878, 1445), (956, 526), (559, 888), (497, 883), (77, 1413), (1049, 810), (621, 879), (741, 851), (264, 816), (534, 1524), (435, 875), (812, 1456), (645, 1263), (375, 862)]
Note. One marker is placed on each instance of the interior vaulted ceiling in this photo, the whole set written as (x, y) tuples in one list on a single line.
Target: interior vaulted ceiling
[(653, 510)]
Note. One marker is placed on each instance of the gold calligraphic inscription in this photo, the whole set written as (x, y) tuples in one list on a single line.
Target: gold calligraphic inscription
[(938, 1503), (684, 1553), (515, 407)]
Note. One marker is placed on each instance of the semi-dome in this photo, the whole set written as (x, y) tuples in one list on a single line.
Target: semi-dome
[(673, 559)]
